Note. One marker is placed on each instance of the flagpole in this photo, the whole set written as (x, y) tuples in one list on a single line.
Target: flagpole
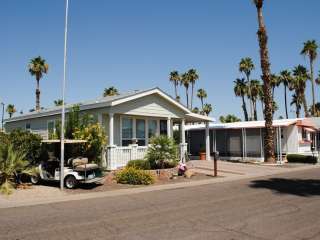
[(63, 98)]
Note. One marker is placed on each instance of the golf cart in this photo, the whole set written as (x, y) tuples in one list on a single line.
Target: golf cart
[(76, 170)]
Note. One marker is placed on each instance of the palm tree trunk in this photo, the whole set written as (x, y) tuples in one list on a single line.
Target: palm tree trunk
[(305, 105), (312, 84), (285, 100), (249, 96), (201, 99), (265, 67), (175, 89), (255, 111), (191, 100), (244, 107), (38, 95), (297, 110), (187, 96)]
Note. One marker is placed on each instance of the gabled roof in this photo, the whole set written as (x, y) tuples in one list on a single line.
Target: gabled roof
[(110, 101)]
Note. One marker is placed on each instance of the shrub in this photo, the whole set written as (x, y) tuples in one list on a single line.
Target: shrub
[(139, 164), (12, 164), (27, 143), (299, 158), (162, 152), (131, 175)]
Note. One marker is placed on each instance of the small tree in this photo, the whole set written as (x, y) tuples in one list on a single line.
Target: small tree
[(162, 152), (11, 110)]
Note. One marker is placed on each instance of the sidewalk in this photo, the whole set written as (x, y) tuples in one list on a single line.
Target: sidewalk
[(227, 172)]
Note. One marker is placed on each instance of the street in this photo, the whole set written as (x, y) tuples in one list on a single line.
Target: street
[(283, 206)]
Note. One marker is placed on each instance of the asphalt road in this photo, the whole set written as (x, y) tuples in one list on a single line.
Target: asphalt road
[(285, 206)]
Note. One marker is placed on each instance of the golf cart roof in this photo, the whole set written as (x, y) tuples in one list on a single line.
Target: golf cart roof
[(65, 141)]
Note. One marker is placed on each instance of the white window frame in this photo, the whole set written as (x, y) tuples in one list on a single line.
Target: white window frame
[(133, 123)]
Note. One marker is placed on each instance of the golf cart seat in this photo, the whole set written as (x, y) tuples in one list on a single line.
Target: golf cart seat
[(77, 161), (86, 167)]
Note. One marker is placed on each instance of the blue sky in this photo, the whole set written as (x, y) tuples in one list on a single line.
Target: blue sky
[(135, 44)]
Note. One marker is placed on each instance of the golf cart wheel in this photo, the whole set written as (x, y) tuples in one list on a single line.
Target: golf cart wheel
[(35, 179), (70, 182)]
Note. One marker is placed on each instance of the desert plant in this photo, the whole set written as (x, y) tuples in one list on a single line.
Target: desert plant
[(134, 176), (139, 164), (12, 163), (162, 151)]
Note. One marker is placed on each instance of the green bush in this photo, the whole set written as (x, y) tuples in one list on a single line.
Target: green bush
[(25, 142), (139, 164), (131, 175), (299, 158), (162, 152)]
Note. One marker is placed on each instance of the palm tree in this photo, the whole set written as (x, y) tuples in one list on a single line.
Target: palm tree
[(195, 110), (296, 100), (111, 91), (285, 78), (10, 110), (240, 90), (318, 79), (301, 76), (254, 85), (274, 82), (185, 80), (38, 67), (229, 118), (175, 79), (246, 66), (58, 102), (261, 98), (202, 94), (193, 77), (207, 109), (265, 67), (310, 49)]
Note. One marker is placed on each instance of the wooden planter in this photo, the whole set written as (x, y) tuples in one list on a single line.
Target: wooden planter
[(202, 155)]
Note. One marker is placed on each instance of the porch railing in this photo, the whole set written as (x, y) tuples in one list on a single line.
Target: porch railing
[(117, 157)]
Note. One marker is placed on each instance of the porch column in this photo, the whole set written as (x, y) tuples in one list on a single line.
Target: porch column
[(183, 145), (207, 142), (111, 143), (169, 127)]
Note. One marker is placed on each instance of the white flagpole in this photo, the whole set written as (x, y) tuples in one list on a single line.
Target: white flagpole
[(63, 98)]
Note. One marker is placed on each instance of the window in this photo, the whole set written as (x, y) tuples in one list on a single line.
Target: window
[(126, 131), (163, 127), (28, 126), (51, 129), (304, 134), (141, 132), (152, 128)]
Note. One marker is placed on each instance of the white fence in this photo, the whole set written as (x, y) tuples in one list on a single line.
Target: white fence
[(117, 157)]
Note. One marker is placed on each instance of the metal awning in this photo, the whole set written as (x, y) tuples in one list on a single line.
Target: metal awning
[(309, 129)]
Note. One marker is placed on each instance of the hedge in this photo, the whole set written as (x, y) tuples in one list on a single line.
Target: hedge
[(131, 175), (299, 158)]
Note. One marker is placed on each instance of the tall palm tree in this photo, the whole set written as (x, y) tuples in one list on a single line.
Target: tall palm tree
[(301, 76), (310, 48), (58, 102), (111, 91), (274, 82), (38, 67), (185, 80), (285, 78), (265, 67), (240, 90), (296, 100), (193, 77), (202, 94), (261, 98), (175, 79), (246, 66), (11, 110), (254, 85), (207, 109)]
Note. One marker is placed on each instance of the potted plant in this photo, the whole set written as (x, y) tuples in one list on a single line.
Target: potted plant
[(202, 153)]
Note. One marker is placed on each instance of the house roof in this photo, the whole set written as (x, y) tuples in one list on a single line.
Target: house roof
[(110, 101), (255, 124)]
